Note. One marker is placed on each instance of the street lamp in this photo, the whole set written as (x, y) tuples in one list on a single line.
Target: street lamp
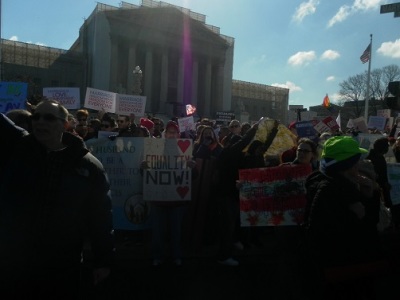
[(137, 77)]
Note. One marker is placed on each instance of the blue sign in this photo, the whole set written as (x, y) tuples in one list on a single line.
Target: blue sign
[(13, 95)]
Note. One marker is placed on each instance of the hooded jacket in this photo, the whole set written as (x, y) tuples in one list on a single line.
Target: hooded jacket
[(50, 203)]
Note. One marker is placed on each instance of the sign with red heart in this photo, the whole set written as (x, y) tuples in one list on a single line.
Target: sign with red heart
[(183, 145), (182, 191)]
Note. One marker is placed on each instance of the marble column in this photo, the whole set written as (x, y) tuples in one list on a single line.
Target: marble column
[(164, 81), (148, 75), (180, 83), (131, 67), (207, 96), (113, 84), (195, 80)]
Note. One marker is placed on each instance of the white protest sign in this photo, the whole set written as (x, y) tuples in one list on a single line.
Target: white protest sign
[(68, 97), (383, 113), (168, 177), (377, 122), (360, 124), (321, 127), (186, 124), (130, 104), (102, 134), (98, 100)]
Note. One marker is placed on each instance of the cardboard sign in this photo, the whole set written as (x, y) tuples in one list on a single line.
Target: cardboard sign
[(168, 177), (360, 125), (273, 196)]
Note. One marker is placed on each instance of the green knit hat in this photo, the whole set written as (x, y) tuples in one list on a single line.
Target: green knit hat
[(340, 153), (340, 148)]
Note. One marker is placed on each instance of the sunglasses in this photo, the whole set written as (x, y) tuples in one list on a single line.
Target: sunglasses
[(45, 117), (105, 126), (303, 150)]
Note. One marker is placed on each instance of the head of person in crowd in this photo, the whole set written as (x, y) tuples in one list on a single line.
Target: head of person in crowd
[(49, 122), (199, 129), (207, 122), (324, 136), (381, 145), (140, 131), (223, 132), (245, 126), (341, 154), (93, 128), (234, 127), (171, 130), (108, 123), (306, 151), (149, 124), (21, 118), (82, 116), (158, 127), (71, 124), (123, 122), (207, 136)]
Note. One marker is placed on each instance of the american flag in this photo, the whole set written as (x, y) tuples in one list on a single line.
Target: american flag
[(190, 109), (366, 55)]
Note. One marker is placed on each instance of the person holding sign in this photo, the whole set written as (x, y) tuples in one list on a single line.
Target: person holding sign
[(168, 214)]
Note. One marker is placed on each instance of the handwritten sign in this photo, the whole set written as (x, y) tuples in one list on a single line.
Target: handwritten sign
[(12, 95), (68, 97), (99, 100), (273, 196), (168, 177), (121, 159), (186, 124)]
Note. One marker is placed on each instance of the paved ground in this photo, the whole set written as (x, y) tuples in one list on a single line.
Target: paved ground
[(262, 274)]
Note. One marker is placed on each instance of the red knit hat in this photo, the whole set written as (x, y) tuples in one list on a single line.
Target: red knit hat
[(146, 123), (172, 124)]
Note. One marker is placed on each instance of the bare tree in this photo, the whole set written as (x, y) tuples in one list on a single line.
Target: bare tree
[(355, 87)]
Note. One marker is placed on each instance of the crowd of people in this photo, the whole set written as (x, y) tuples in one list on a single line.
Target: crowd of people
[(65, 200)]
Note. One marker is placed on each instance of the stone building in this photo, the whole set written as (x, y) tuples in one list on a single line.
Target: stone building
[(252, 101), (183, 59)]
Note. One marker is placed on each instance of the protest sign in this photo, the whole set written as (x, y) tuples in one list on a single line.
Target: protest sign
[(331, 123), (12, 95), (273, 196), (224, 117), (321, 127), (68, 97), (306, 129), (100, 100), (376, 122), (168, 177), (186, 124), (360, 124), (121, 159), (130, 104), (393, 170), (383, 113)]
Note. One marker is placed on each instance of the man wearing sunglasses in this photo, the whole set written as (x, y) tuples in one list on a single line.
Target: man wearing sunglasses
[(54, 195)]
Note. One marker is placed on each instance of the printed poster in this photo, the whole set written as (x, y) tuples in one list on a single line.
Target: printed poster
[(13, 95), (68, 97), (121, 159), (168, 177), (273, 196)]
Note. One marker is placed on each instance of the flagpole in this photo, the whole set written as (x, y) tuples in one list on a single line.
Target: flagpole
[(368, 80)]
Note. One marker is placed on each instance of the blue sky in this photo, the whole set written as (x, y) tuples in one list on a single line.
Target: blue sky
[(307, 46)]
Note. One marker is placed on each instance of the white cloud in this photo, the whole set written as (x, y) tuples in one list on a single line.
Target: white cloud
[(14, 38), (340, 16), (330, 55), (288, 85), (358, 6), (301, 58), (391, 49), (330, 78), (305, 9)]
